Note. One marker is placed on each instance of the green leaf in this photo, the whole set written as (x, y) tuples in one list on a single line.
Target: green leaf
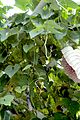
[(36, 118), (51, 63), (77, 94), (68, 3), (3, 81), (6, 100), (22, 18), (7, 115), (37, 31), (37, 21), (60, 36), (40, 71), (2, 59), (76, 1), (51, 23), (26, 67), (60, 116), (4, 34), (45, 14), (22, 4), (2, 73), (40, 115), (75, 36), (20, 89), (54, 5), (72, 106), (13, 31), (26, 48), (52, 27), (0, 3), (11, 70)]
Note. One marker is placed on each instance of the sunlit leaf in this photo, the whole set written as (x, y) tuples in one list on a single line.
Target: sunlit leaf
[(21, 18), (51, 23), (76, 1), (45, 14), (20, 89), (26, 48), (60, 36), (4, 34), (6, 100), (11, 70), (36, 31), (54, 5), (69, 3), (26, 67), (22, 4), (2, 73), (52, 27), (39, 114)]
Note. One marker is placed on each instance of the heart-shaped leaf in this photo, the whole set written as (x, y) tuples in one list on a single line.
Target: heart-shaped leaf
[(8, 32), (11, 70), (26, 48), (20, 89), (6, 100), (37, 31)]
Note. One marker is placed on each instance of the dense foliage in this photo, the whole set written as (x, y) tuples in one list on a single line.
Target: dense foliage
[(33, 85)]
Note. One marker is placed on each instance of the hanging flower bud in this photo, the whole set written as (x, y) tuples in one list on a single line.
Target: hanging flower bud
[(71, 63)]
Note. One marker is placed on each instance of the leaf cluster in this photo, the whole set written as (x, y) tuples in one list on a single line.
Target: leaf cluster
[(33, 85)]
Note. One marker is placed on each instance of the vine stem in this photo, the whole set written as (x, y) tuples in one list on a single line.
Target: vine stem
[(46, 46), (61, 6), (28, 99), (41, 4)]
